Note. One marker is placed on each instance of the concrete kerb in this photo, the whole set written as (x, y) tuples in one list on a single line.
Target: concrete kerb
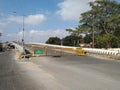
[(104, 56)]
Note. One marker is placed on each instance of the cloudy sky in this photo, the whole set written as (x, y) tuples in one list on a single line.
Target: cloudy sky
[(42, 18)]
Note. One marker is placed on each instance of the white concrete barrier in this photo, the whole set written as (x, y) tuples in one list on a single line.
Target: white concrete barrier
[(102, 51)]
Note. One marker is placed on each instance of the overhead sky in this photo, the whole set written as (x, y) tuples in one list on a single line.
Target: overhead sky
[(42, 18)]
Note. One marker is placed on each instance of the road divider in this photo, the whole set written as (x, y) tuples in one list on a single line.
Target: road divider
[(78, 50)]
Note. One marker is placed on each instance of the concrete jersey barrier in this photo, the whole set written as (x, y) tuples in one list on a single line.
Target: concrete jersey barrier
[(89, 50)]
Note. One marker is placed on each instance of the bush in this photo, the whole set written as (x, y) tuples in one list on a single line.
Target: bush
[(107, 41)]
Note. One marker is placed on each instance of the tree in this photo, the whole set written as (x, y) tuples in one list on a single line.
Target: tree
[(75, 32), (54, 40), (107, 41), (104, 17), (71, 40), (103, 20), (88, 38)]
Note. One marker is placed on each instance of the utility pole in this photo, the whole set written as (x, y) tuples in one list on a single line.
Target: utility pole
[(74, 43), (93, 38), (78, 43)]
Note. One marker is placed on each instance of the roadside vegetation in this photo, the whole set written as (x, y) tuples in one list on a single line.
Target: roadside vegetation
[(100, 26)]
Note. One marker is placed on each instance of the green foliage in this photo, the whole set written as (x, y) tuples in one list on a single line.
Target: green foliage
[(71, 40), (88, 38), (107, 41), (104, 20), (54, 40), (76, 32), (103, 17)]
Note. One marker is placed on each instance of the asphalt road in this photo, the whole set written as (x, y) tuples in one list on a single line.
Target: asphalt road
[(58, 73), (13, 74)]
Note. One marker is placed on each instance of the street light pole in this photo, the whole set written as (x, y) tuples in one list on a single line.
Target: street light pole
[(16, 32), (23, 33), (23, 37)]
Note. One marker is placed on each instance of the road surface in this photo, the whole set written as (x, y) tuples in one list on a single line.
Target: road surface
[(58, 73)]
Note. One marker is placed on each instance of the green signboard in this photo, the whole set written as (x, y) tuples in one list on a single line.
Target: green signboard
[(38, 51)]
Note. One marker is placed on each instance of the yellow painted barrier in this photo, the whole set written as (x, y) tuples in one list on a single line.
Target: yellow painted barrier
[(68, 49), (80, 51)]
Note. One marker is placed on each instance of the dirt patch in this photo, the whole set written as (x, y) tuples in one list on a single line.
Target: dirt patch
[(17, 55), (105, 56)]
